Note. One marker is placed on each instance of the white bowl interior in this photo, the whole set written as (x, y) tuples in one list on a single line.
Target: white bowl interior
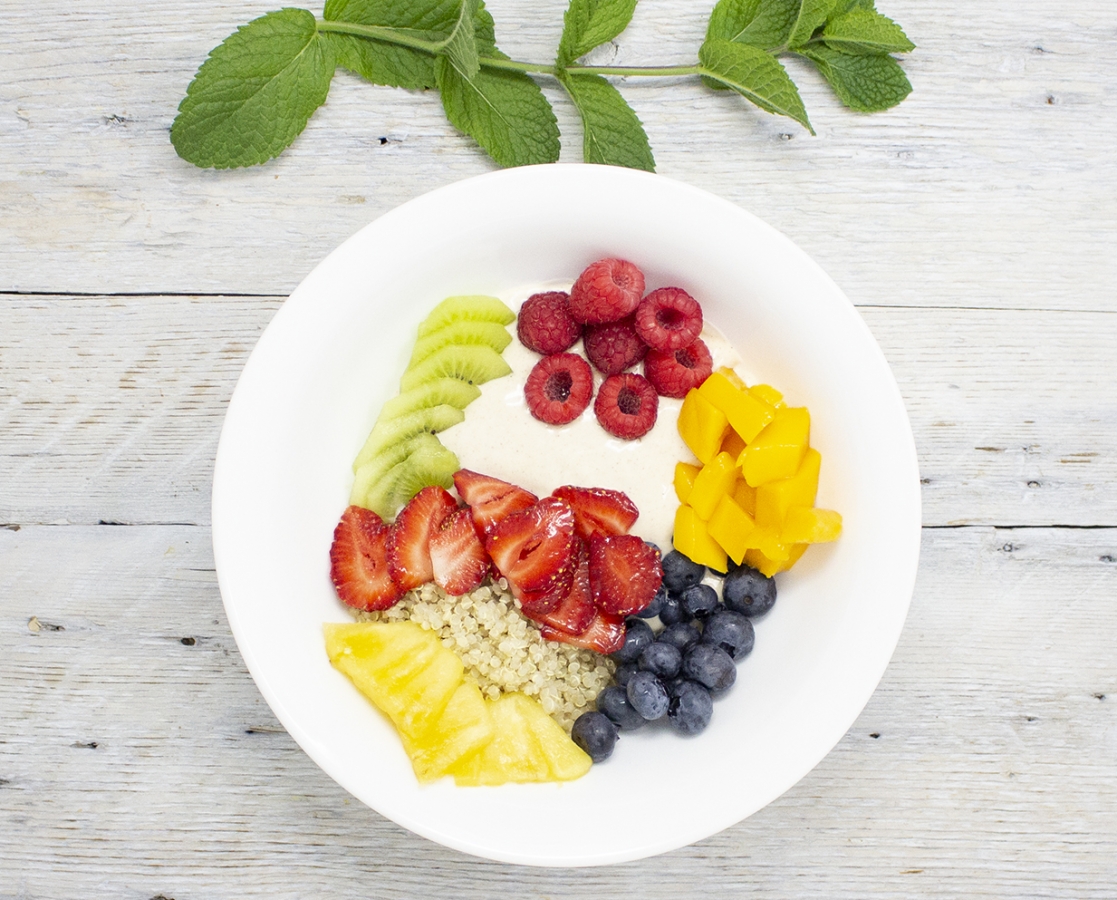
[(333, 355)]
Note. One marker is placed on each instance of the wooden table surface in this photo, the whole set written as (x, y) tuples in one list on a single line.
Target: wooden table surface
[(975, 227)]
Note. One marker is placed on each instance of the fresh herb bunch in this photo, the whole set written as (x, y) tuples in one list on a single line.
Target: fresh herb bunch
[(257, 90)]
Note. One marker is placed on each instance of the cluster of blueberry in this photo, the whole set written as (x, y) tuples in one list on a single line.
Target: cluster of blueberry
[(676, 673)]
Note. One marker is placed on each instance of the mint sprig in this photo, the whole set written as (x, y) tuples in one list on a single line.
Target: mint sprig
[(255, 93)]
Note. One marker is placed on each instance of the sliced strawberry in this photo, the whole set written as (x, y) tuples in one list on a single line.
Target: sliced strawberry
[(458, 557), (576, 611), (534, 549), (598, 510), (490, 498), (605, 634), (359, 561), (409, 558), (625, 573)]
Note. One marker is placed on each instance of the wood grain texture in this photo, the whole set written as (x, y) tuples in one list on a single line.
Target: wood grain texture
[(981, 767)]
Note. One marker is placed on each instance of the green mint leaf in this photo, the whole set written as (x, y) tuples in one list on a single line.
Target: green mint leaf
[(382, 63), (812, 14), (841, 7), (254, 94), (866, 31), (461, 46), (755, 75), (505, 112), (428, 20), (590, 23), (766, 24), (865, 83), (613, 135)]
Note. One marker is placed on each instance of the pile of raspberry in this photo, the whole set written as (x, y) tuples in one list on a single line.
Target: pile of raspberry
[(620, 329)]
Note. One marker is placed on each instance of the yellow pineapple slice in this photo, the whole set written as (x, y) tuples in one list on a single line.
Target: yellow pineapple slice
[(463, 730), (565, 759), (514, 754)]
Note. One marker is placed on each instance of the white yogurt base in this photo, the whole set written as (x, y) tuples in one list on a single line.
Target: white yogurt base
[(501, 438)]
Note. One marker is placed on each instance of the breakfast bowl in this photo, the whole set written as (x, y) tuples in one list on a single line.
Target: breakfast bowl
[(334, 353)]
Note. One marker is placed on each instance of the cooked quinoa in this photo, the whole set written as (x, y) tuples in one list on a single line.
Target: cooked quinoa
[(502, 650)]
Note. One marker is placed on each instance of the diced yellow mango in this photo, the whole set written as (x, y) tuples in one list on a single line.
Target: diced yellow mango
[(809, 525), (733, 377), (685, 474), (714, 481), (702, 426), (778, 451), (775, 498), (733, 444), (768, 394), (745, 495), (770, 567), (747, 415), (692, 539), (730, 526)]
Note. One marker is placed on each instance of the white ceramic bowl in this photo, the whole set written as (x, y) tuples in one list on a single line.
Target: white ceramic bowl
[(334, 353)]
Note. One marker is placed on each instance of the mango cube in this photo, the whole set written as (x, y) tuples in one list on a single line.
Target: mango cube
[(746, 413), (809, 525), (745, 496), (714, 481), (768, 394), (778, 451), (702, 426), (733, 377), (692, 539), (732, 443), (685, 474), (775, 498), (770, 567), (731, 526)]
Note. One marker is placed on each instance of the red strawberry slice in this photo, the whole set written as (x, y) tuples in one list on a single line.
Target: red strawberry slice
[(534, 550), (489, 498), (605, 634), (409, 558), (458, 557), (598, 510), (359, 561), (625, 573), (576, 611)]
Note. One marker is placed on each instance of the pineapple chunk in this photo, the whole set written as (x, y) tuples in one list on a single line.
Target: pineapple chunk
[(775, 498), (808, 525), (778, 451), (701, 425), (685, 474), (747, 414), (463, 730), (565, 759), (712, 483), (514, 753), (731, 526), (692, 539)]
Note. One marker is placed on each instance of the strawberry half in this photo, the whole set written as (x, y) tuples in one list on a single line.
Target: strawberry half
[(534, 550), (489, 498), (576, 611), (598, 510), (458, 557), (625, 573), (409, 558), (605, 634), (359, 561)]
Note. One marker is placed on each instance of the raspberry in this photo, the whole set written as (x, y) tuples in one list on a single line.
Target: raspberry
[(626, 406), (559, 388), (614, 347), (545, 324), (607, 290), (668, 319), (673, 373)]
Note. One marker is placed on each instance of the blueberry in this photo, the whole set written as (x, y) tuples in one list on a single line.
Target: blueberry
[(613, 701), (672, 610), (681, 635), (655, 547), (690, 707), (709, 665), (638, 634), (732, 631), (596, 734), (624, 672), (647, 695), (652, 609), (748, 591), (700, 600), (662, 660), (679, 573)]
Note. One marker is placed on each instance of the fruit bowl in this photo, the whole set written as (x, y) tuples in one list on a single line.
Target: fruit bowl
[(333, 355)]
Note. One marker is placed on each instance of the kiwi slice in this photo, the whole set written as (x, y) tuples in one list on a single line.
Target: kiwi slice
[(488, 334), (474, 309), (427, 463), (473, 363), (387, 433), (451, 391)]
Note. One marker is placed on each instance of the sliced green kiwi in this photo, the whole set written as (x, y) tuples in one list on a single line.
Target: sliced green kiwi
[(488, 334), (474, 309), (451, 391), (387, 433), (427, 463), (472, 363)]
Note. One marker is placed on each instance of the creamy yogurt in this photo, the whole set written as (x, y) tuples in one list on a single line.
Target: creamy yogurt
[(501, 438)]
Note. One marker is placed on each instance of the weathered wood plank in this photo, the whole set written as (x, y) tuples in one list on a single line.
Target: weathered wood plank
[(110, 408), (982, 767), (992, 185)]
